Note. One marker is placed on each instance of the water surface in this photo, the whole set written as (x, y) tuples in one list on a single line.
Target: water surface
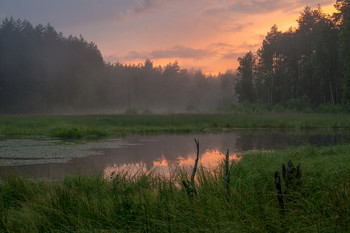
[(55, 159)]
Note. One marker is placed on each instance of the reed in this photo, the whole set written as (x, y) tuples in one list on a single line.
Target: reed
[(148, 202)]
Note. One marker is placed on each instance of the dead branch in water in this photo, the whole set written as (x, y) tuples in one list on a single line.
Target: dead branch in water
[(227, 175), (190, 187), (195, 163)]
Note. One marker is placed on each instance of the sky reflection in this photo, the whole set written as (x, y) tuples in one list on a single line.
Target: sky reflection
[(151, 153), (209, 160)]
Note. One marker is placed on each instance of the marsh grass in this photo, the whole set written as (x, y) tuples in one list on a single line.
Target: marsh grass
[(147, 202), (77, 127)]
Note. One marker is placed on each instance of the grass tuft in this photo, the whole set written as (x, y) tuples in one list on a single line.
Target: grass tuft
[(147, 202), (73, 132)]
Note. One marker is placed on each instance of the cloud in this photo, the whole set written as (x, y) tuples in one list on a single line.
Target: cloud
[(221, 50), (229, 46), (215, 11), (229, 51), (182, 52), (267, 6), (2, 16), (146, 5), (256, 6), (141, 7), (259, 37), (132, 55), (221, 45), (232, 56), (240, 27), (173, 52)]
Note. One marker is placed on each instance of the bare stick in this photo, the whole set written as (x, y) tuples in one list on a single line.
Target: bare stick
[(279, 192), (195, 163), (190, 186), (227, 175)]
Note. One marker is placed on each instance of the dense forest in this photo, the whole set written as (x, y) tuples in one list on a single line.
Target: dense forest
[(42, 71), (304, 67)]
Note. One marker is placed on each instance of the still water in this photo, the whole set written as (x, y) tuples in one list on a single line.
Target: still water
[(55, 159)]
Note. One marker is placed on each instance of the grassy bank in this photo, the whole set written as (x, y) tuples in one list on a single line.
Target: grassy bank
[(75, 127), (148, 203)]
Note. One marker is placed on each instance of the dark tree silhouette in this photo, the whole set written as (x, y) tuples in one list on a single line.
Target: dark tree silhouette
[(307, 64), (41, 71)]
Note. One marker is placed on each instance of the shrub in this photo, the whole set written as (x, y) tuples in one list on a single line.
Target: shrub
[(246, 107), (67, 132), (277, 108), (300, 104), (329, 108)]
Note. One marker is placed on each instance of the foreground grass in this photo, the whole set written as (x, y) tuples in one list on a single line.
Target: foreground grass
[(148, 203), (75, 127)]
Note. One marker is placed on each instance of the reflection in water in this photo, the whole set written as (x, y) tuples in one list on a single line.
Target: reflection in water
[(130, 169), (160, 153), (209, 160)]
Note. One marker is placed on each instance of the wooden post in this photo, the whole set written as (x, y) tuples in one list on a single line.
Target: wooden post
[(291, 176), (279, 192), (227, 175)]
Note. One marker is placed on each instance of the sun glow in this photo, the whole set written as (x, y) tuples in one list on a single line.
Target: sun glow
[(221, 46)]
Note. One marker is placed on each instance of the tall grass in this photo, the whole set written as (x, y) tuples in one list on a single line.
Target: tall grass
[(76, 127), (149, 203)]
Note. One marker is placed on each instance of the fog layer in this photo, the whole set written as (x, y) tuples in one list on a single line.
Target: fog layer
[(41, 71)]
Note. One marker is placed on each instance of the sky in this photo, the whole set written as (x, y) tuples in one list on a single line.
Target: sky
[(202, 34)]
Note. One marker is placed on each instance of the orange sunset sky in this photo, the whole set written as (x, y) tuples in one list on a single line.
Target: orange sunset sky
[(203, 34)]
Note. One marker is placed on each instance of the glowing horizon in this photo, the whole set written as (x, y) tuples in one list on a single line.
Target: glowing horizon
[(216, 64), (200, 34)]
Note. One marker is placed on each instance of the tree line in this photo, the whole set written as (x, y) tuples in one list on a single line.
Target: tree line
[(41, 71), (307, 66)]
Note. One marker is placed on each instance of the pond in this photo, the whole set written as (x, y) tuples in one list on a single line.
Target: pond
[(54, 159)]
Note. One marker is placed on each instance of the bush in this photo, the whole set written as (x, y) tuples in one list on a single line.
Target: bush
[(329, 108), (131, 111), (67, 132), (70, 132), (146, 111), (246, 107), (300, 104), (278, 108)]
